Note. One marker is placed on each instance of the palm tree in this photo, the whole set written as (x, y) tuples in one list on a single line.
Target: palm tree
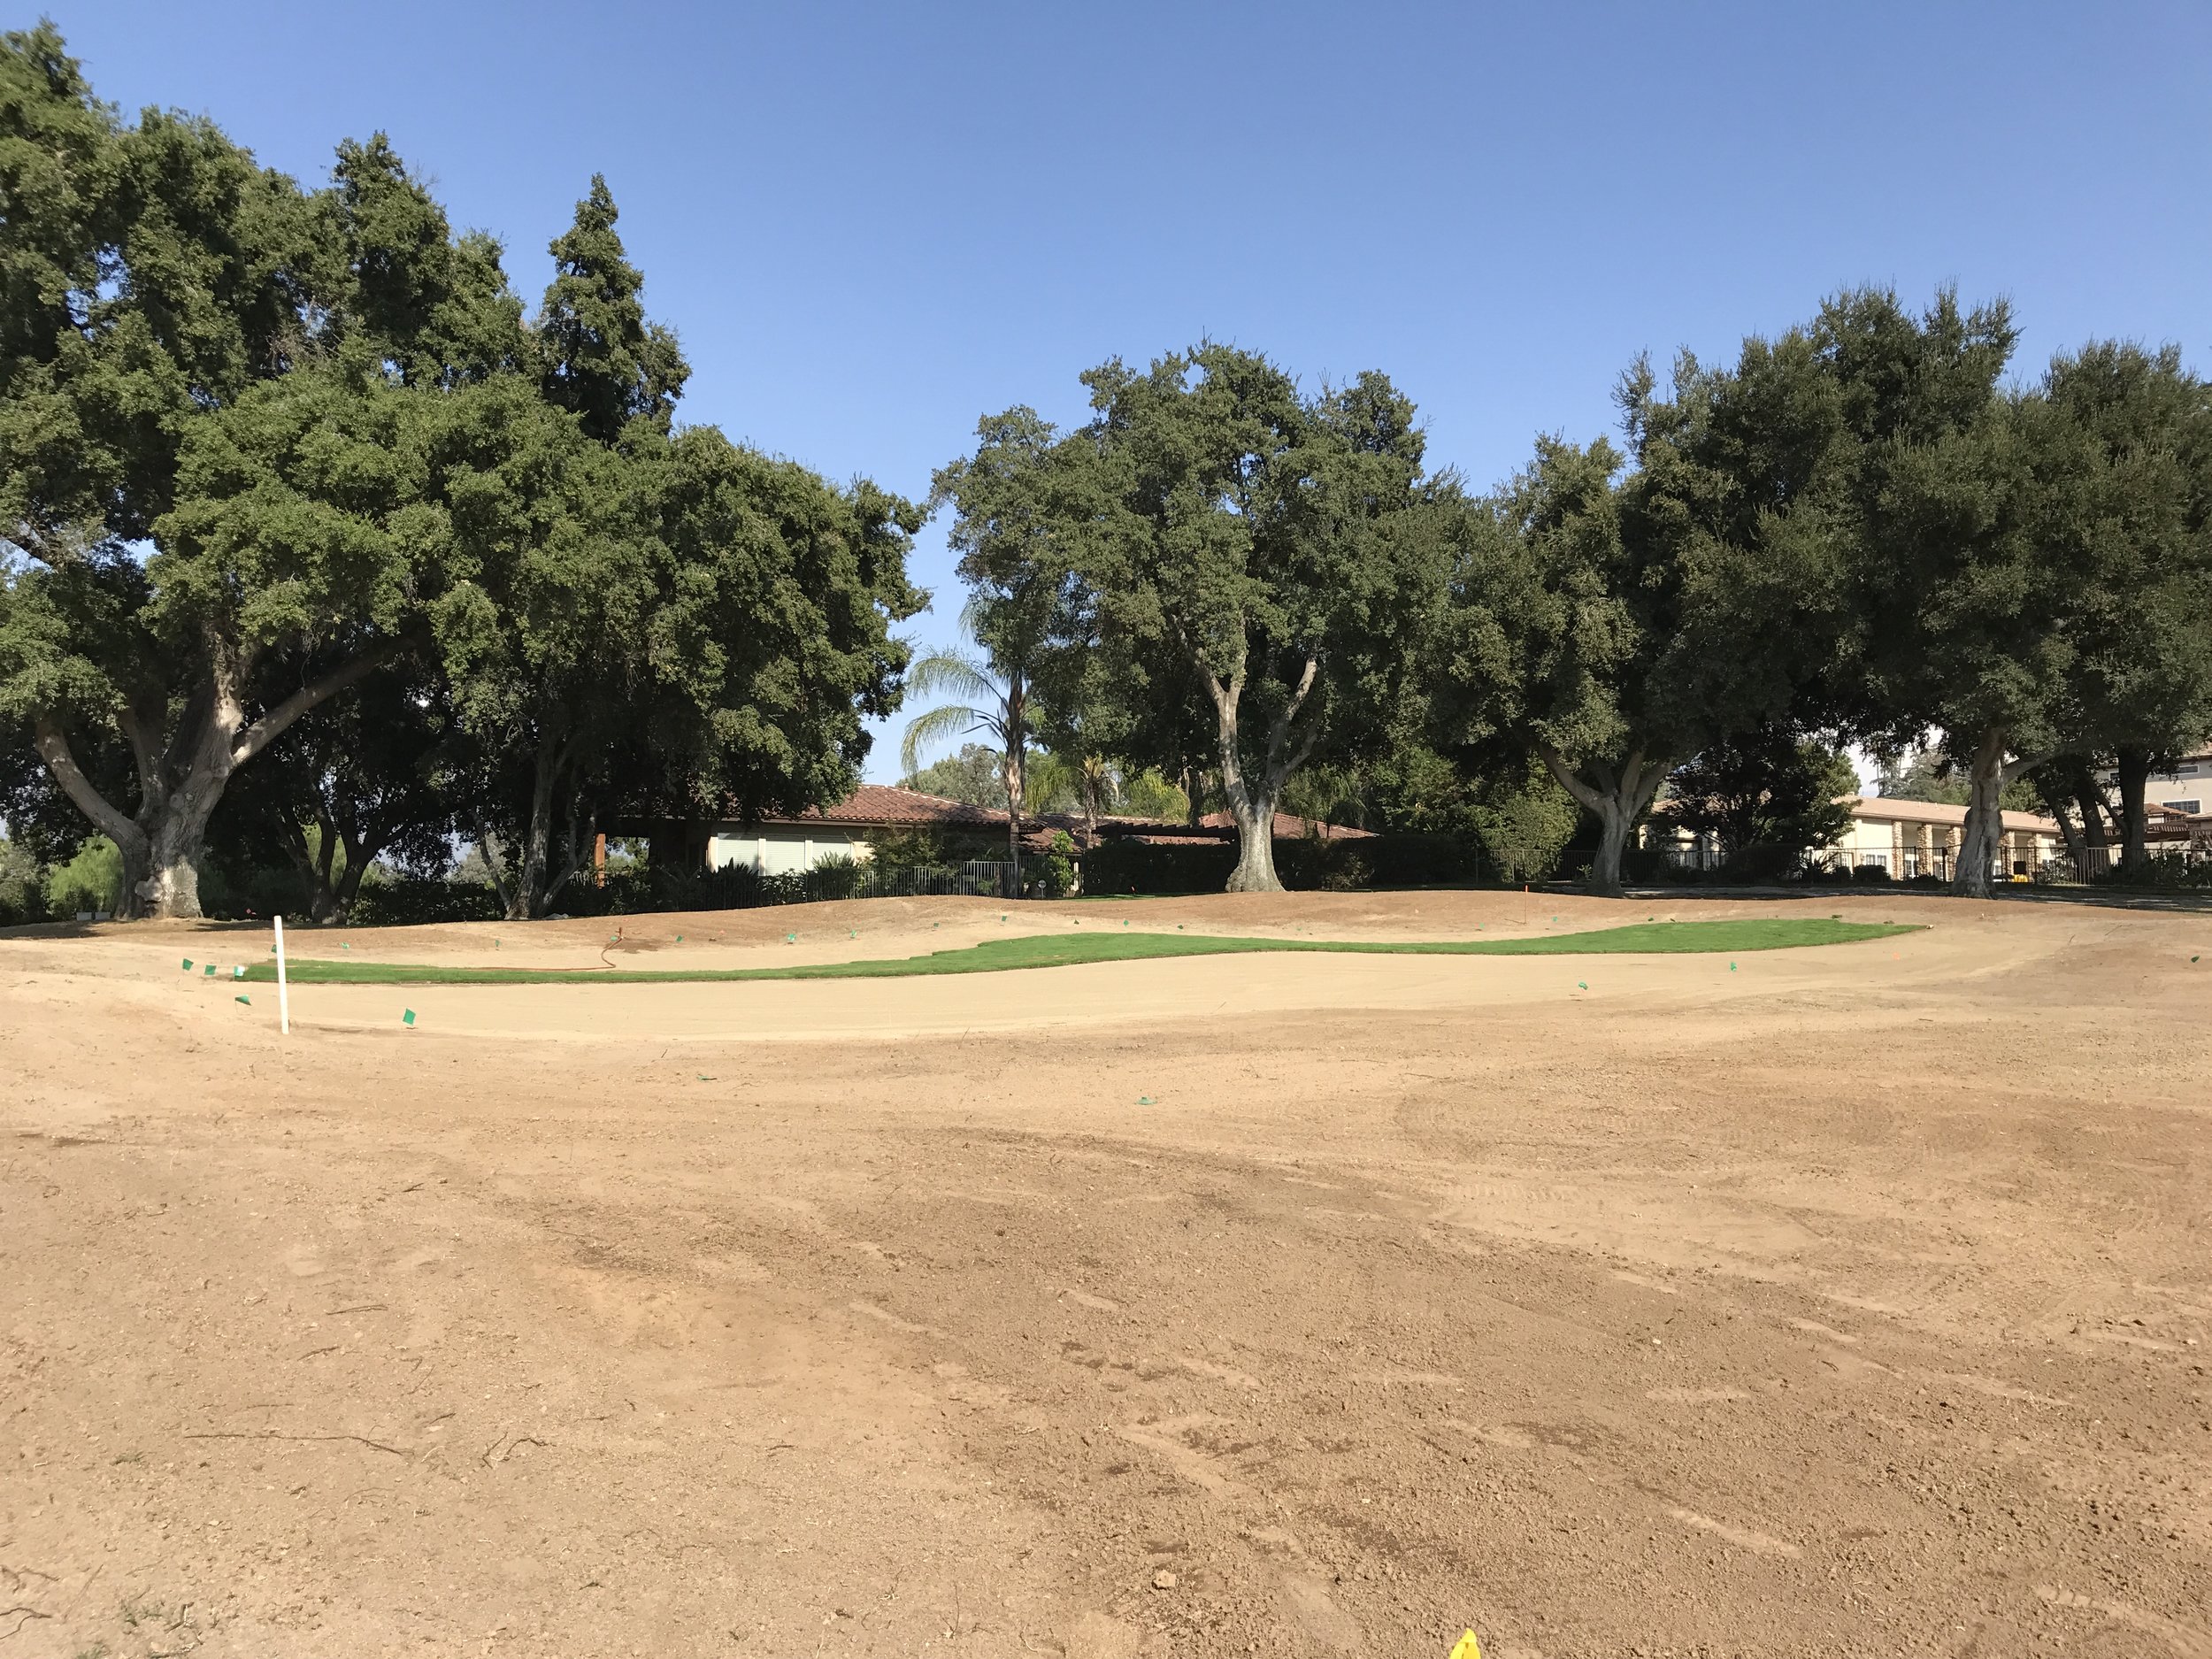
[(1098, 784), (995, 705)]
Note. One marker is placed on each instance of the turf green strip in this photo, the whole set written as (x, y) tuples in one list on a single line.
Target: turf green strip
[(1061, 951)]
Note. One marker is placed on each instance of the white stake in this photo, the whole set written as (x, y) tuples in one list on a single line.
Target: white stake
[(284, 992)]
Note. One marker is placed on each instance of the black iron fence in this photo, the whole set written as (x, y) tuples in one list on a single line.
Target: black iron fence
[(973, 878)]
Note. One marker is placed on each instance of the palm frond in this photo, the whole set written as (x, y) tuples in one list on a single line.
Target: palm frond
[(937, 725), (955, 672)]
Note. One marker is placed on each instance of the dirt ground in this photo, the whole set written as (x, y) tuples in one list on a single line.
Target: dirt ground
[(1851, 1301)]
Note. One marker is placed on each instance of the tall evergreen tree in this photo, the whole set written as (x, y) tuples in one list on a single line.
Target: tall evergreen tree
[(599, 356)]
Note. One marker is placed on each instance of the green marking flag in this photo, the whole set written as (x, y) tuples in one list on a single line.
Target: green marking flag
[(238, 974), (1582, 985), (210, 970), (680, 939), (1732, 967), (407, 1019), (706, 1077), (1146, 1100), (187, 961), (791, 939), (248, 1001)]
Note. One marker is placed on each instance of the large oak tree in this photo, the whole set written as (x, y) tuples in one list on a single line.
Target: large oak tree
[(1273, 550)]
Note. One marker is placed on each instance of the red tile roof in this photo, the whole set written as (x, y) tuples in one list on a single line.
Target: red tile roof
[(1289, 828), (885, 806), (882, 806)]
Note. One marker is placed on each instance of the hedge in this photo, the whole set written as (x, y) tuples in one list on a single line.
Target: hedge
[(1304, 863)]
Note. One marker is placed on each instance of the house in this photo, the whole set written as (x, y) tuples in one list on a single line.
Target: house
[(1912, 838), (1905, 837), (781, 844), (1221, 827), (778, 844), (2185, 791)]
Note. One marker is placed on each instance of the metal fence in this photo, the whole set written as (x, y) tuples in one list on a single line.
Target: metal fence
[(2171, 860), (975, 878)]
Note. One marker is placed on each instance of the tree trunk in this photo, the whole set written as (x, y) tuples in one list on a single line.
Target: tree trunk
[(177, 845), (1618, 798), (1613, 824), (501, 887), (1011, 770), (2054, 801), (361, 852), (1252, 801), (323, 903), (1254, 871), (1979, 841), (2094, 810), (524, 898), (2134, 767), (1014, 817), (163, 845)]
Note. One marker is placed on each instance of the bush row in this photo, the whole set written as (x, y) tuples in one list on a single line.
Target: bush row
[(1127, 867)]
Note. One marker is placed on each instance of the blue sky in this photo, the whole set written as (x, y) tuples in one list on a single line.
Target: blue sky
[(870, 224)]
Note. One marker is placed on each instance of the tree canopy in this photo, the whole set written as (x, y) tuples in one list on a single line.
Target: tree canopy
[(1264, 557), (314, 538), (260, 443)]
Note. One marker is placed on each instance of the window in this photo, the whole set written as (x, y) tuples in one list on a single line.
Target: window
[(2190, 807), (1879, 861)]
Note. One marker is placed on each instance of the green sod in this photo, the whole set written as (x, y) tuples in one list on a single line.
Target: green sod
[(1061, 951)]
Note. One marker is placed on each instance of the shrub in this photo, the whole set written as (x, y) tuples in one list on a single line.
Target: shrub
[(407, 901), (2164, 871), (1054, 877), (1304, 865), (1872, 875), (1134, 866), (834, 877), (92, 880)]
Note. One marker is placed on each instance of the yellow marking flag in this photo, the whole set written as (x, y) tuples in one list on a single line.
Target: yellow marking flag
[(1468, 1648)]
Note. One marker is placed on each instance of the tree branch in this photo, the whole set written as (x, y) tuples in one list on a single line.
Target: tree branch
[(1556, 764), (53, 748), (273, 725), (141, 742)]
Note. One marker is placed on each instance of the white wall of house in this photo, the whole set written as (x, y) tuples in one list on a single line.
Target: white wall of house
[(2186, 789), (778, 849), (1904, 847)]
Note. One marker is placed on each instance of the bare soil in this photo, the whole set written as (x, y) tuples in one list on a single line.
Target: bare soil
[(1847, 1301)]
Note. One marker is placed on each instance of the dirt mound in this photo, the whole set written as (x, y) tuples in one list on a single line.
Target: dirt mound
[(1857, 1300)]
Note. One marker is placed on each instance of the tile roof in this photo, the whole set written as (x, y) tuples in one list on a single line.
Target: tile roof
[(883, 806), (886, 806), (1288, 827)]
